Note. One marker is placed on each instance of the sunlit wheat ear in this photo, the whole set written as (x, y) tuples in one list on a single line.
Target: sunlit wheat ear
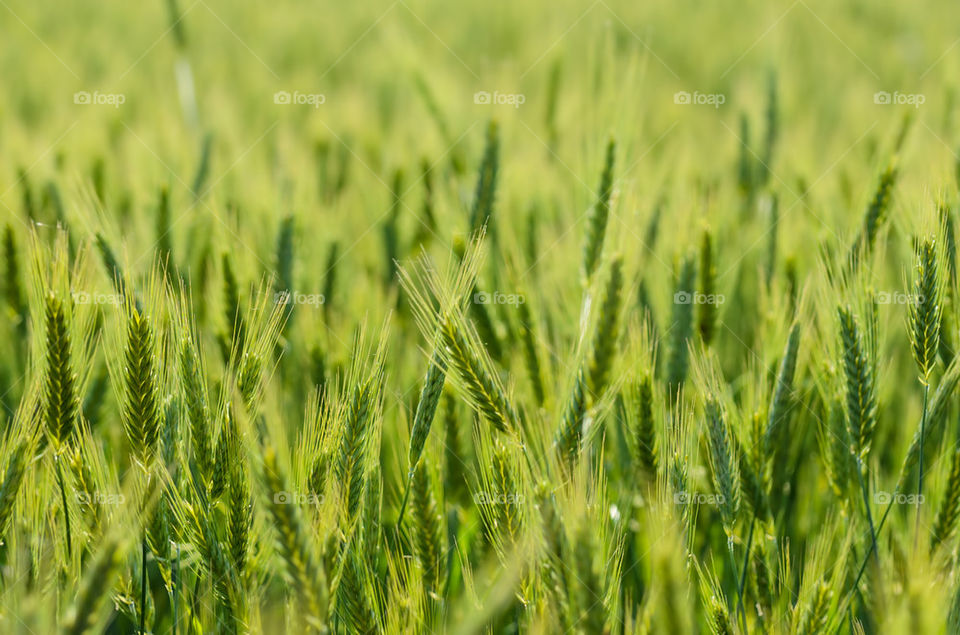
[(607, 330), (285, 257), (164, 233), (330, 279), (141, 410), (426, 410), (643, 433), (783, 398), (486, 189), (294, 542), (92, 474), (813, 618), (926, 309), (437, 303), (429, 216), (360, 405), (680, 452), (507, 489), (598, 215), (372, 515), (714, 602), (427, 528), (59, 379), (681, 327), (763, 577), (860, 388), (835, 444), (390, 227), (193, 386), (949, 510), (351, 457), (482, 385), (249, 380), (707, 309), (531, 355), (315, 447), (946, 220), (200, 527), (570, 435), (238, 497), (753, 486), (456, 456), (724, 465), (819, 578), (352, 605), (221, 465), (233, 314), (874, 217)]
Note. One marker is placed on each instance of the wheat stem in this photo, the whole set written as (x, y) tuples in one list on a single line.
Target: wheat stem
[(923, 430), (66, 509), (143, 584)]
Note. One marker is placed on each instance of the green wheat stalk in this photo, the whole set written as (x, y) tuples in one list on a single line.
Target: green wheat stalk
[(607, 330), (423, 419), (682, 327), (925, 317), (598, 215)]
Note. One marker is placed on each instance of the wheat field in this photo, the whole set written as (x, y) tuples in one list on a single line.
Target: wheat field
[(479, 317)]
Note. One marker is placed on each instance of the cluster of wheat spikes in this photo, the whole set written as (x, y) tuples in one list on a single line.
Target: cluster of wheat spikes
[(629, 409)]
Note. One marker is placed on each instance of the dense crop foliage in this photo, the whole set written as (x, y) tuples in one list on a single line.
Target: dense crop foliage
[(479, 317)]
